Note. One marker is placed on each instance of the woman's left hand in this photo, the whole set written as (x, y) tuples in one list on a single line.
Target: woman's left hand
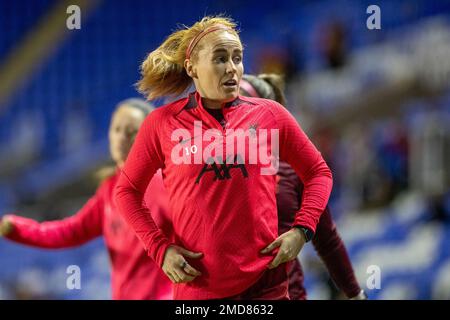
[(290, 244)]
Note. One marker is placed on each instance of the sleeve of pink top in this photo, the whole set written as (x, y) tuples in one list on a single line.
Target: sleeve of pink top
[(144, 159), (85, 225), (297, 150)]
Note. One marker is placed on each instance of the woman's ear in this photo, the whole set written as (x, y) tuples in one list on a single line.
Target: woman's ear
[(190, 70)]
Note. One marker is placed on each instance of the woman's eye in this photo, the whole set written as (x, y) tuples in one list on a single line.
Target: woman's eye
[(221, 59), (237, 59)]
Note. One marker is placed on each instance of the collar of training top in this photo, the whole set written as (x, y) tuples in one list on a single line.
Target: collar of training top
[(193, 101)]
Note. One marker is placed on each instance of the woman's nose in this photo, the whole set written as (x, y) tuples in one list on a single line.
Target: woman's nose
[(231, 67)]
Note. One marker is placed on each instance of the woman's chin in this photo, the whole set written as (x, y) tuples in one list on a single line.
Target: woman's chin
[(230, 96)]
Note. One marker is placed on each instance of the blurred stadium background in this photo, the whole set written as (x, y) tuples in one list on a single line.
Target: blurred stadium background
[(376, 102)]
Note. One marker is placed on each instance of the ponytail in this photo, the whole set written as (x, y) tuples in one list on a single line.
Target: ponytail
[(163, 72)]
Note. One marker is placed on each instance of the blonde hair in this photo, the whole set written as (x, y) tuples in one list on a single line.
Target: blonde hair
[(163, 70)]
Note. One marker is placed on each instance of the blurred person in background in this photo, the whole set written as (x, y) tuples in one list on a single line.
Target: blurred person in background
[(226, 236), (289, 193), (134, 275), (334, 45)]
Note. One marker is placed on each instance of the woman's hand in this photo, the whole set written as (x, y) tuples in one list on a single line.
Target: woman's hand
[(176, 267), (6, 227), (290, 244)]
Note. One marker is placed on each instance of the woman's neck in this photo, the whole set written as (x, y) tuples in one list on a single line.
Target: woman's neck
[(212, 104)]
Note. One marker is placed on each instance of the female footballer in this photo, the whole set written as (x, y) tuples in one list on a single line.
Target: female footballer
[(221, 192)]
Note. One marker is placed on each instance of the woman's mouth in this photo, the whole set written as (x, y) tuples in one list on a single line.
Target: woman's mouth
[(230, 83)]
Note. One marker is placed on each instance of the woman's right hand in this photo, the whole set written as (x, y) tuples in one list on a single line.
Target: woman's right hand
[(6, 227), (176, 267)]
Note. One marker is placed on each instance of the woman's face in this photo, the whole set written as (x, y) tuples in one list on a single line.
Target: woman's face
[(217, 68), (124, 126)]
